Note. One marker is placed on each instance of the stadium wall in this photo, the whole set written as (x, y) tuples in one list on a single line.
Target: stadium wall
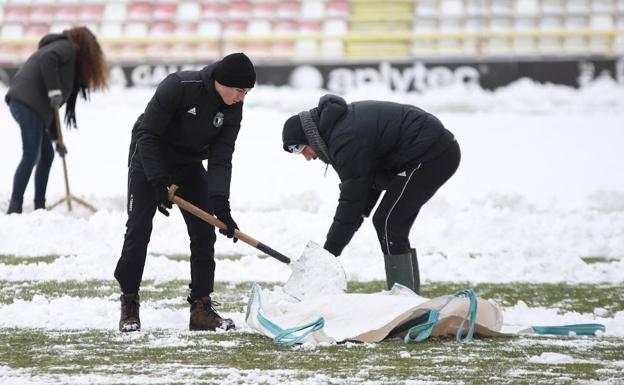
[(340, 77)]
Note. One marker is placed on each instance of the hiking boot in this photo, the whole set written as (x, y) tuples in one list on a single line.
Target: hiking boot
[(129, 321), (204, 316), (15, 207)]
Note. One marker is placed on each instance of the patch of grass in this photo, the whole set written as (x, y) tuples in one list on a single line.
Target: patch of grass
[(231, 296), (173, 357), (15, 260), (187, 257), (593, 260), (583, 298), (240, 357)]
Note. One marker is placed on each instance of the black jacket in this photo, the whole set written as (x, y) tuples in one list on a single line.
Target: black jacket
[(51, 67), (369, 142), (186, 121)]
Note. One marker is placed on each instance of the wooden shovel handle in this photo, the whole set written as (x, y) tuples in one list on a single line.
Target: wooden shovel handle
[(191, 208)]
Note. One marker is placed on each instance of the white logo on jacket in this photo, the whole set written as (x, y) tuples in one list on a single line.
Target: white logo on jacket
[(192, 111), (218, 119)]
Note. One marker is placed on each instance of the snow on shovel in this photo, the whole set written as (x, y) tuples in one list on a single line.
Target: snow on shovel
[(316, 272)]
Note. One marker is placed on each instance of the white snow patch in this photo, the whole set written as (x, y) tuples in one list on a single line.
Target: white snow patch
[(550, 358)]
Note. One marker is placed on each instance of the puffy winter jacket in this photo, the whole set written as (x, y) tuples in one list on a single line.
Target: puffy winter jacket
[(369, 142), (51, 67)]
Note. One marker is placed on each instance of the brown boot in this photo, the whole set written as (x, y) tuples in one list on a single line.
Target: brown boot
[(129, 321), (204, 317)]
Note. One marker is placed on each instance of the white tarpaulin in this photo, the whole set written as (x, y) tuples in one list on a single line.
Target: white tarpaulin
[(366, 317)]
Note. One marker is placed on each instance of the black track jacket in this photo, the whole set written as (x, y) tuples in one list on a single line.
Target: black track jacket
[(186, 121), (369, 142)]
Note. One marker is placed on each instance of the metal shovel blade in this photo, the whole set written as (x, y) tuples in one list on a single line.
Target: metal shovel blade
[(316, 272)]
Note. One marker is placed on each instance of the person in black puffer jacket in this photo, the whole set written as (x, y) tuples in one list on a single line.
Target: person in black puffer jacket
[(193, 116), (377, 146), (63, 66)]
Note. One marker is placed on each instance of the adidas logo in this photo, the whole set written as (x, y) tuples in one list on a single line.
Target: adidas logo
[(192, 111)]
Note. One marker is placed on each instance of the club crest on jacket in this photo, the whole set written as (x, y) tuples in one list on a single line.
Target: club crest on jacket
[(218, 119)]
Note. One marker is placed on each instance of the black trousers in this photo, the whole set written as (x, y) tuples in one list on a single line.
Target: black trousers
[(193, 187), (406, 194)]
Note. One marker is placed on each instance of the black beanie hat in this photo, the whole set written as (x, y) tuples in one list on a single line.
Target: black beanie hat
[(235, 70), (293, 132)]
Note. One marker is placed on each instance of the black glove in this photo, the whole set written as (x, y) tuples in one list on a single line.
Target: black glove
[(332, 248), (61, 149), (56, 98), (221, 206), (161, 194)]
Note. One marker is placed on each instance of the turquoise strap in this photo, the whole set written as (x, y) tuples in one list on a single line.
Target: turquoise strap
[(288, 336), (471, 315), (564, 330), (422, 331)]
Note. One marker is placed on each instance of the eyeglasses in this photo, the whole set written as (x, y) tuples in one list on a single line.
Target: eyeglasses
[(296, 148)]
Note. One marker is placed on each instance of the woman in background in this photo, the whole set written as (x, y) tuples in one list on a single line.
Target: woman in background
[(64, 65)]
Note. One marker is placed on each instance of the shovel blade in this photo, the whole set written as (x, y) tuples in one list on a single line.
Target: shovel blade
[(316, 272)]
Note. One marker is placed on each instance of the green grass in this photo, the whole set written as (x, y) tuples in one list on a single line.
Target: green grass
[(593, 260), (167, 356), (186, 257), (15, 260), (582, 298), (184, 356)]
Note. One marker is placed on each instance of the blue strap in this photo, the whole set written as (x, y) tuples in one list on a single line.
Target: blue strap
[(282, 336), (564, 330), (422, 331), (288, 336), (471, 315)]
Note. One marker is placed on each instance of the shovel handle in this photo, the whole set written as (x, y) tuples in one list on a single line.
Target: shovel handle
[(191, 208)]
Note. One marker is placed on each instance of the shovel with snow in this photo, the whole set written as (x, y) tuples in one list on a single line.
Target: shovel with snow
[(316, 272)]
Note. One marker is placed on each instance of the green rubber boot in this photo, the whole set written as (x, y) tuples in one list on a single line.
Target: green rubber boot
[(416, 271), (403, 269)]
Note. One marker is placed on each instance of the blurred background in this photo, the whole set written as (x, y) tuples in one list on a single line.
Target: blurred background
[(423, 43)]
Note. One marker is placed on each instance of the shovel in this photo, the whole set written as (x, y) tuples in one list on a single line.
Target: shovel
[(316, 272)]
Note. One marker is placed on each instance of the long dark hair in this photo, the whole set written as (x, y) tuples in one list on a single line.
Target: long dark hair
[(92, 72)]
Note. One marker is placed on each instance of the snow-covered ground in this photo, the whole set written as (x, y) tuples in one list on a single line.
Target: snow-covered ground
[(540, 185)]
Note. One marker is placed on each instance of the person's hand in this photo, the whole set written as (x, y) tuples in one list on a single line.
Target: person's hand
[(161, 194), (56, 98), (332, 248), (61, 149), (221, 206)]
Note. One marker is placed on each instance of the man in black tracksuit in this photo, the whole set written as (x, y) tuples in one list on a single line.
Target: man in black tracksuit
[(193, 116), (376, 146)]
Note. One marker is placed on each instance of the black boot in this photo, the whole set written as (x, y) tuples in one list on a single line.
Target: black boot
[(402, 269), (15, 207), (129, 320), (204, 316), (40, 205)]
